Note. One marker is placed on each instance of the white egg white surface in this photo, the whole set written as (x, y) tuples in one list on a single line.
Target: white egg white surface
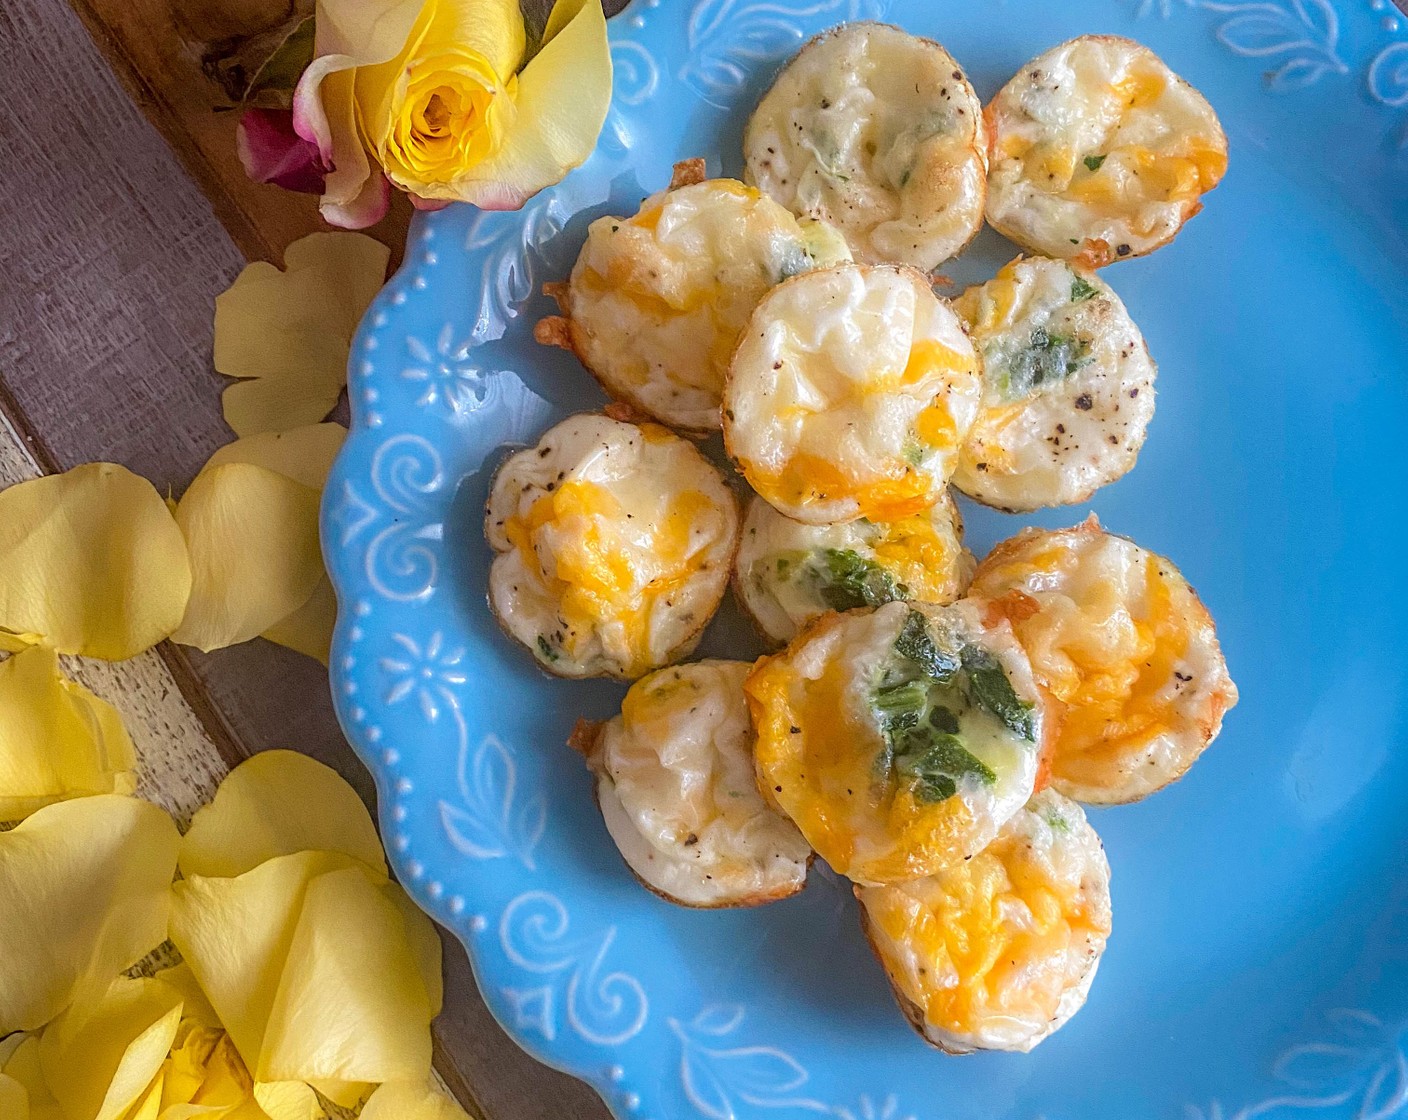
[(998, 952), (850, 394), (893, 771), (614, 543), (1099, 152), (879, 133), (789, 573), (1068, 387), (1117, 635), (656, 301), (676, 788)]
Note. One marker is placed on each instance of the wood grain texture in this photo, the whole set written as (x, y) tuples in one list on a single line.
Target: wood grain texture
[(109, 265)]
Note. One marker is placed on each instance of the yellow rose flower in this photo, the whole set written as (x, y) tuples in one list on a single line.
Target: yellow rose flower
[(436, 94)]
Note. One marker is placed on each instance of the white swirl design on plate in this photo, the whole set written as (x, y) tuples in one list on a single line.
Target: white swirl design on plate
[(445, 375), (1164, 8), (1303, 33), (637, 76), (403, 558), (1362, 1065), (731, 39), (1388, 81), (513, 245), (603, 1007)]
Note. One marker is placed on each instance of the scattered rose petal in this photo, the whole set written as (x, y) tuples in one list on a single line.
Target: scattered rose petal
[(288, 333), (409, 1100), (57, 740), (84, 890), (275, 804), (255, 558), (100, 1058), (351, 1004), (92, 561), (308, 630), (303, 454)]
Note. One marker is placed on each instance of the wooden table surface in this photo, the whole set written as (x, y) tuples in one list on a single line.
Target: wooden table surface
[(125, 214)]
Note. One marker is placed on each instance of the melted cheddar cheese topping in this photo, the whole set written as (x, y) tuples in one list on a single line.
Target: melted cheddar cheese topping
[(1100, 152), (1117, 636), (850, 395), (656, 301), (821, 747), (614, 544), (998, 952)]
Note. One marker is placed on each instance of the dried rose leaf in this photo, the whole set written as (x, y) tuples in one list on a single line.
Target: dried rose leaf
[(92, 560), (278, 803), (57, 740), (351, 1005), (84, 890), (410, 1100), (255, 558), (288, 333)]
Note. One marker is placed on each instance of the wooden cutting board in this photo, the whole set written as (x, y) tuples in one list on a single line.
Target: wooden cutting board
[(126, 213)]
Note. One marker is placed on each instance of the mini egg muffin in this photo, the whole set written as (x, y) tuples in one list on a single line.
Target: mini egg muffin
[(999, 952), (1118, 636), (1068, 387), (1099, 152), (900, 739), (850, 394), (879, 133), (614, 543), (788, 573), (656, 301), (674, 779)]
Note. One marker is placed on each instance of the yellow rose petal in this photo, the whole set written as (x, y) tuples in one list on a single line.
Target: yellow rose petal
[(425, 943), (303, 454), (561, 102), (288, 333), (255, 559), (286, 1100), (308, 630), (235, 936), (410, 1100), (351, 1004), (84, 890), (275, 804), (20, 1065), (100, 1059), (57, 740), (92, 560)]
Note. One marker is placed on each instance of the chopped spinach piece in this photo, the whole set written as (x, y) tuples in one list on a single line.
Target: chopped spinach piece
[(943, 719), (1082, 290), (797, 261), (989, 689), (901, 705), (913, 452), (936, 761), (1048, 357), (916, 646), (549, 654), (849, 580), (1094, 163)]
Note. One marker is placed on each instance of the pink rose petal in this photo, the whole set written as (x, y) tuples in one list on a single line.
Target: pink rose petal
[(272, 152)]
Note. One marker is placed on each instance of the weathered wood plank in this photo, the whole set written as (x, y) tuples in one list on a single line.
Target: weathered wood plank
[(109, 266)]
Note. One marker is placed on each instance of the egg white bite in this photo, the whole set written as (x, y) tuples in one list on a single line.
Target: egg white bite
[(998, 952), (1120, 639), (850, 394), (1068, 387), (614, 543), (900, 739), (674, 779), (656, 301), (879, 133), (789, 573), (1099, 152)]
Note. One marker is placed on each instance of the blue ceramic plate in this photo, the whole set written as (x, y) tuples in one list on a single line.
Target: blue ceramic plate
[(1259, 966)]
